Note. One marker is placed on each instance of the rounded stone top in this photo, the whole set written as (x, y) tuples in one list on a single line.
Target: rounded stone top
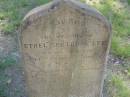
[(57, 4)]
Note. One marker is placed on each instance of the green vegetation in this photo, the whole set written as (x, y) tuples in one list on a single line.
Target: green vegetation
[(11, 15), (129, 72), (4, 79), (6, 62), (13, 11), (118, 14), (3, 85), (117, 88), (119, 48), (128, 2)]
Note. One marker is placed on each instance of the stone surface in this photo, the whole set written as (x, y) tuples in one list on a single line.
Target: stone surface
[(64, 46)]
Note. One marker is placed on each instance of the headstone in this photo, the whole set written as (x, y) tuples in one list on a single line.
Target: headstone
[(64, 46)]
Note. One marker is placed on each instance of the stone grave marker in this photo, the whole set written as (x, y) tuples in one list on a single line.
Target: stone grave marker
[(64, 45)]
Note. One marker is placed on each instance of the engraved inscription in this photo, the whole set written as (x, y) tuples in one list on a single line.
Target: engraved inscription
[(64, 51), (64, 44)]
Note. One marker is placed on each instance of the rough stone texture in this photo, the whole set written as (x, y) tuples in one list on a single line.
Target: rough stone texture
[(64, 46)]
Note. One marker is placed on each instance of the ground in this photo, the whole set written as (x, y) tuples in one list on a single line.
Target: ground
[(117, 83)]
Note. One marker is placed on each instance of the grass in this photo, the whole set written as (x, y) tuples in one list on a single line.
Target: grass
[(3, 85), (127, 68), (120, 18), (119, 48), (13, 11), (128, 72), (11, 15), (117, 82), (6, 62), (128, 2), (117, 88), (6, 79)]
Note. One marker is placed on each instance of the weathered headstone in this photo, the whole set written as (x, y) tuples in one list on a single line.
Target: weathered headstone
[(64, 46)]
